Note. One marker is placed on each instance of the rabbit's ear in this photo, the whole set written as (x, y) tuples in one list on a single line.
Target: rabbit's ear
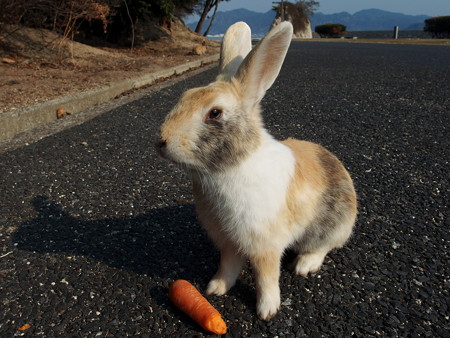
[(262, 65), (236, 44)]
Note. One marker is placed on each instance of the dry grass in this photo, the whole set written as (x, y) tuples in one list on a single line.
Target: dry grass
[(32, 70)]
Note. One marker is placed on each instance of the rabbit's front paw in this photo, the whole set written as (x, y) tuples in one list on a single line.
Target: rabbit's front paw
[(309, 263), (217, 286), (268, 305)]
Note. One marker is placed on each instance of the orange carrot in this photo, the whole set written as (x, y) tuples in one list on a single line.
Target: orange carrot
[(187, 298), (24, 327)]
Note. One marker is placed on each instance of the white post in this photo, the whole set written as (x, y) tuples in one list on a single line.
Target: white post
[(396, 32)]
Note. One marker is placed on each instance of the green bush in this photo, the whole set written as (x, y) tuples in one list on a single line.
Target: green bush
[(331, 30), (438, 26)]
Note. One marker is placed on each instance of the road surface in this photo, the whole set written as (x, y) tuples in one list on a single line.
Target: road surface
[(94, 226)]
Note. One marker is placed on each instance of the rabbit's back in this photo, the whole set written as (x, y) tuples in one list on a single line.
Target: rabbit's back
[(331, 206)]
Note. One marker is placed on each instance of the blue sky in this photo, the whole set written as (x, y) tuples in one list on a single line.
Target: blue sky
[(411, 7)]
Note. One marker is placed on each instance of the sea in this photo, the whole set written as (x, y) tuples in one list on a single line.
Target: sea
[(402, 34)]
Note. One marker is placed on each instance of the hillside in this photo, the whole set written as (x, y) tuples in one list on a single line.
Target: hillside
[(35, 66), (365, 20)]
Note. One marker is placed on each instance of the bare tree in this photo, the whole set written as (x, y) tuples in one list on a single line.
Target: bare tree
[(212, 19), (203, 8), (206, 6)]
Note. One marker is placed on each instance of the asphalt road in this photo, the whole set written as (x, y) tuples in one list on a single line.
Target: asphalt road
[(94, 226)]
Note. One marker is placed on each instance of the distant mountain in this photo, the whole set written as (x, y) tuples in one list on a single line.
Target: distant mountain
[(258, 22), (365, 20), (371, 20)]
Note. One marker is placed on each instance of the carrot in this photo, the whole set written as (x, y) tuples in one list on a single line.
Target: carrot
[(187, 298), (24, 327)]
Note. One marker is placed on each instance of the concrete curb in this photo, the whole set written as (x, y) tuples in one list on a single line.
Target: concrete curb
[(21, 120)]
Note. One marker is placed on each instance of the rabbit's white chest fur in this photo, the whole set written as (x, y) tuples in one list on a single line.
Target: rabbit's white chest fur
[(246, 200)]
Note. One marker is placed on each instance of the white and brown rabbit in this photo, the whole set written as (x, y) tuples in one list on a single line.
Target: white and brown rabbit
[(254, 195)]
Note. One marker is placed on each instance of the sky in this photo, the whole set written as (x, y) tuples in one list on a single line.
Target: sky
[(411, 7)]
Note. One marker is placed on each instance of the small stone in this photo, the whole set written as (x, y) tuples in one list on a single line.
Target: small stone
[(287, 302), (369, 286)]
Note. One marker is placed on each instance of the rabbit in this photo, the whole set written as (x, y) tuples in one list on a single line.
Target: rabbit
[(254, 195)]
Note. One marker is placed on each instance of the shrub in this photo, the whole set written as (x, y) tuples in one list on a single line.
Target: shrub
[(331, 30), (438, 26), (62, 16)]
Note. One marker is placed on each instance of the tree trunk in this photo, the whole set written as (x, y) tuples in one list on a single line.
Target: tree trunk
[(201, 21), (212, 18)]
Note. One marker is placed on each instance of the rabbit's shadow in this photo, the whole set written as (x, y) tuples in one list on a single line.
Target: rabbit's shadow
[(163, 243)]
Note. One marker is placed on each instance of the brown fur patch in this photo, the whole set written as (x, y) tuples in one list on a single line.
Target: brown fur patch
[(308, 175), (267, 268), (338, 178), (307, 167), (333, 171), (331, 205)]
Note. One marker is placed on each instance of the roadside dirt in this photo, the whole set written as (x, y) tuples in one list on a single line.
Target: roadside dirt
[(35, 66)]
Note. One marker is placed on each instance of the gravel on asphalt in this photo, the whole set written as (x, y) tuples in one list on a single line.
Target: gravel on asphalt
[(94, 226)]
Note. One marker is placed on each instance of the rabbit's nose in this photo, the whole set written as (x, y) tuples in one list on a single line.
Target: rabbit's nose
[(161, 143)]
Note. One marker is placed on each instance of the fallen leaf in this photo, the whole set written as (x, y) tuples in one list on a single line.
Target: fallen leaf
[(24, 327), (199, 50), (60, 113), (8, 60)]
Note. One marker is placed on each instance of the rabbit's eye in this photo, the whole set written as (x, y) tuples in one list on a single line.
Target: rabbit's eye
[(214, 114)]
